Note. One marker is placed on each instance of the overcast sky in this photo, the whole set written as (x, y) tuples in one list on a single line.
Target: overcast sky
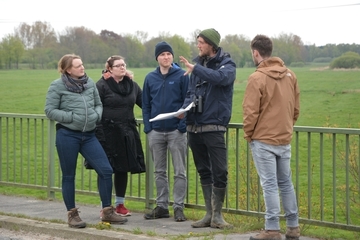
[(315, 22)]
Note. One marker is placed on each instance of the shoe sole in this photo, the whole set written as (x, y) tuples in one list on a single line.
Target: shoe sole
[(180, 220), (77, 226), (220, 226), (152, 217), (123, 215), (115, 222), (200, 226), (291, 238)]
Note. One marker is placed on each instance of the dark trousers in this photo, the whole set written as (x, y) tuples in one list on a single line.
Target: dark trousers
[(210, 157), (120, 183), (69, 144)]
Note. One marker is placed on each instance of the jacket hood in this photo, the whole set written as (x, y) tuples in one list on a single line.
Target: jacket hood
[(175, 65), (273, 67)]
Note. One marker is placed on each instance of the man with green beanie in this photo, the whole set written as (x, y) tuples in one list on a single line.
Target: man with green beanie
[(211, 89)]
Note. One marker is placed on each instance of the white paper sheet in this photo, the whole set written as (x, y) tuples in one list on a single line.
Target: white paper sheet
[(163, 116)]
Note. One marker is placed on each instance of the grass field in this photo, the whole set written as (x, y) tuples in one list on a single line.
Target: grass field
[(329, 98)]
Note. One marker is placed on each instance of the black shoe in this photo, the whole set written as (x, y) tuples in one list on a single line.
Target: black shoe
[(179, 215), (158, 212)]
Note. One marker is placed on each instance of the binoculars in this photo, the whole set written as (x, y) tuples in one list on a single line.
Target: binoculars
[(198, 107)]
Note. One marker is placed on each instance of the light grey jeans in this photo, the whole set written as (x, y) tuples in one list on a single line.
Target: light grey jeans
[(273, 166), (159, 143)]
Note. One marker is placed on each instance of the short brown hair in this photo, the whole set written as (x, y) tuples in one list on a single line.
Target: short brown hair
[(262, 44), (110, 61), (66, 62)]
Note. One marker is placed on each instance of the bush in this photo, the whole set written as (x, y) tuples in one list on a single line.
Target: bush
[(52, 65), (347, 60)]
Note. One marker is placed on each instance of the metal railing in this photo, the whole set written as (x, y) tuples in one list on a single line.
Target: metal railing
[(325, 165)]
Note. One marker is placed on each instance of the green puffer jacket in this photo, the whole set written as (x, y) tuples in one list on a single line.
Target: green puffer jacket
[(76, 111)]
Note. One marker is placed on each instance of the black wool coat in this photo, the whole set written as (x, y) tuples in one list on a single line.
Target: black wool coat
[(118, 132)]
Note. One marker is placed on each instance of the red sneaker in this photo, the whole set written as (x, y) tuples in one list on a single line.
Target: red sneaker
[(122, 210)]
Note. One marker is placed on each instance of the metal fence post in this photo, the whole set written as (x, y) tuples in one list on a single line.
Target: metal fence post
[(51, 158)]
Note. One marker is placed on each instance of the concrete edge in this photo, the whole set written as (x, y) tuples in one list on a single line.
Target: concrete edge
[(64, 231)]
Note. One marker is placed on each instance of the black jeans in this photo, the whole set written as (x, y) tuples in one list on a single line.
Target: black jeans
[(210, 157)]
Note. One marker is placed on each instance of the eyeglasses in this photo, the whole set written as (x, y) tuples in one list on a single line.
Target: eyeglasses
[(120, 65)]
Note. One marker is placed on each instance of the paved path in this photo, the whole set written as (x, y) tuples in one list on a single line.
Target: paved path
[(34, 213)]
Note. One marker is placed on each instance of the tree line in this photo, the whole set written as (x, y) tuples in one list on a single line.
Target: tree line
[(39, 46)]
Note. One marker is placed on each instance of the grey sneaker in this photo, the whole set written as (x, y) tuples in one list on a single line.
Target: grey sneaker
[(157, 212), (179, 215)]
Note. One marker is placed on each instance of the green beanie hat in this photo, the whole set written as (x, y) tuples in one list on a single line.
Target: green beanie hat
[(211, 36)]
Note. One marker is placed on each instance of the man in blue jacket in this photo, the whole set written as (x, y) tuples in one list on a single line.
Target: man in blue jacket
[(164, 91), (211, 89)]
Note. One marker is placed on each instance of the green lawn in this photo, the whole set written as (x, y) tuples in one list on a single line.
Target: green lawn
[(329, 98)]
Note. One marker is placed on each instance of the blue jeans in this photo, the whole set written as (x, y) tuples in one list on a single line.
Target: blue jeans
[(273, 166), (176, 142), (69, 144), (210, 157)]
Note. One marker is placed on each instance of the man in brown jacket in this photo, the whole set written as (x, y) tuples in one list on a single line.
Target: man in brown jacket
[(271, 107)]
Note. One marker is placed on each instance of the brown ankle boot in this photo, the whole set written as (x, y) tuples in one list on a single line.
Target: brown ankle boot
[(267, 235), (74, 219), (292, 233), (110, 216)]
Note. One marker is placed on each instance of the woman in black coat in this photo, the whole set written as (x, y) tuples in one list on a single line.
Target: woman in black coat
[(118, 132)]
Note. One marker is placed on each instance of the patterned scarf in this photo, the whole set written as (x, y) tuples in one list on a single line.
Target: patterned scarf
[(75, 85)]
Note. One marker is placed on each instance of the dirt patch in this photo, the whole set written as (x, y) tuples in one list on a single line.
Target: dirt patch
[(351, 91), (320, 68), (346, 69), (335, 69)]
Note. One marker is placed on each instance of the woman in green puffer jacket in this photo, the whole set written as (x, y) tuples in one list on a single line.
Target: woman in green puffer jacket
[(74, 103)]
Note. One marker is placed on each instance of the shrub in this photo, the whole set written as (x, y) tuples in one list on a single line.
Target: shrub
[(52, 65), (347, 60)]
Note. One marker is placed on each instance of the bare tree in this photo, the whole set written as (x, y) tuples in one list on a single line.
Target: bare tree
[(24, 33), (78, 40)]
